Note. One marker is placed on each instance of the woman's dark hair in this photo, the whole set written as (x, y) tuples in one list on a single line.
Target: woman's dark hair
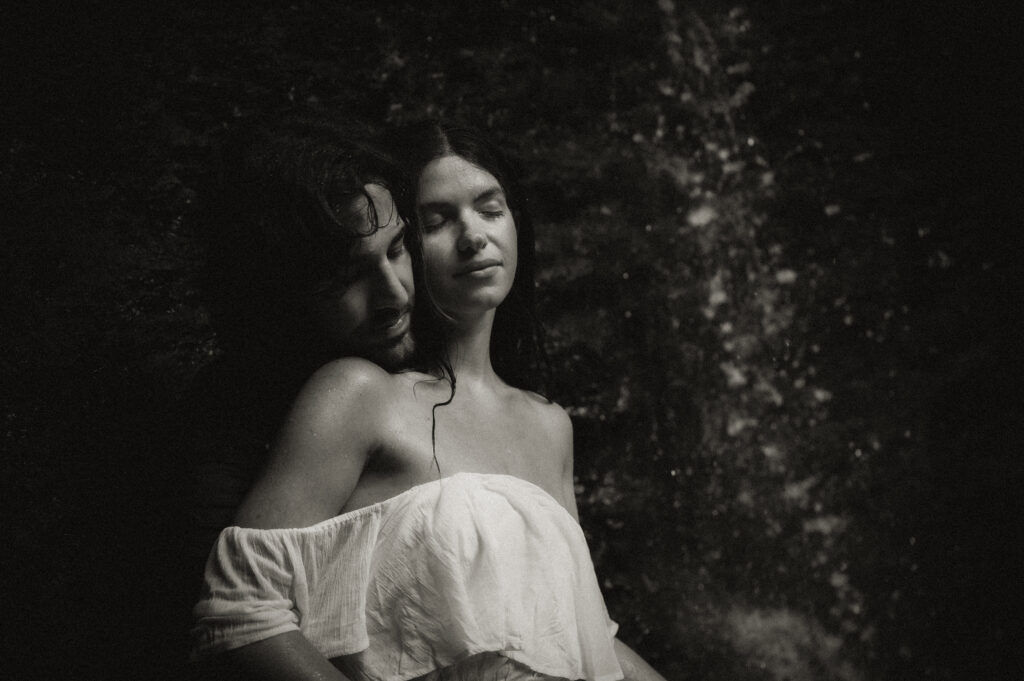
[(517, 350), (280, 226)]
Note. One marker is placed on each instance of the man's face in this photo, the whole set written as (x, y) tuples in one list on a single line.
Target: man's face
[(366, 310)]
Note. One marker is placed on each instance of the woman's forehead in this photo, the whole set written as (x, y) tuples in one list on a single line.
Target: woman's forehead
[(454, 178)]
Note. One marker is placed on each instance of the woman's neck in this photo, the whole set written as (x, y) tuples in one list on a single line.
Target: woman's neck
[(470, 350)]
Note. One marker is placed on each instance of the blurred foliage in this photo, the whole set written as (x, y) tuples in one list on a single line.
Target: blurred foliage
[(776, 278)]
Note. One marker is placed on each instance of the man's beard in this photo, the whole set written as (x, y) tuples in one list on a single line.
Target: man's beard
[(393, 356)]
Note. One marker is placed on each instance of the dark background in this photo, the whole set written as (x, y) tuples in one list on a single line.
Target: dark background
[(779, 244)]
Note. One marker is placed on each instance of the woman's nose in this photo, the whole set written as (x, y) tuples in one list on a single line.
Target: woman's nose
[(471, 239)]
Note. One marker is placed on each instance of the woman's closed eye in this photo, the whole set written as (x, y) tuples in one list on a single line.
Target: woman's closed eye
[(432, 221), (493, 207)]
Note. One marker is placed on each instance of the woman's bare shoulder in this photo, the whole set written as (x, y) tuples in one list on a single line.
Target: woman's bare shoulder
[(550, 418), (552, 440), (353, 373), (336, 424), (549, 412), (355, 382)]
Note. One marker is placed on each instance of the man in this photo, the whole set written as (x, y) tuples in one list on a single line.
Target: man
[(366, 308), (307, 262), (306, 246)]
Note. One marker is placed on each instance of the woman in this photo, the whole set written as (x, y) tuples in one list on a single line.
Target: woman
[(457, 551)]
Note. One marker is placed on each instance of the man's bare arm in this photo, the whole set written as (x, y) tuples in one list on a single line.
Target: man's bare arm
[(285, 657)]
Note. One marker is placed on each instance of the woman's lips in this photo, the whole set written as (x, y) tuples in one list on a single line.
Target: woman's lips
[(478, 268)]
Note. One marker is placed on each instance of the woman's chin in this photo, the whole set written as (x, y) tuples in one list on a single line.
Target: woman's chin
[(472, 304), (473, 309)]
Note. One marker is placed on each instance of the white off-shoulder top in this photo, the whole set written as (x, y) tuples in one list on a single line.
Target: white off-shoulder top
[(463, 565)]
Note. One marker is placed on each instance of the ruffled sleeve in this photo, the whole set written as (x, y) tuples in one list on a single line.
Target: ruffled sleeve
[(261, 583), (249, 592)]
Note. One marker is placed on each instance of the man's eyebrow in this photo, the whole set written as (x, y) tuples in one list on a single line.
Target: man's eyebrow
[(400, 236), (358, 252), (486, 195)]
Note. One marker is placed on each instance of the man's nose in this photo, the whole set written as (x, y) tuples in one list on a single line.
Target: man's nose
[(390, 291)]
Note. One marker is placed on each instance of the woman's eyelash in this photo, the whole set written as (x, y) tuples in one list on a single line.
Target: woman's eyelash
[(489, 214)]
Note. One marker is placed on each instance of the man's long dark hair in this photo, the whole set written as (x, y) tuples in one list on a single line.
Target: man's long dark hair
[(279, 227), (276, 223), (517, 349)]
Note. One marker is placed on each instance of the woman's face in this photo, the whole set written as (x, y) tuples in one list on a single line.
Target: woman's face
[(469, 237)]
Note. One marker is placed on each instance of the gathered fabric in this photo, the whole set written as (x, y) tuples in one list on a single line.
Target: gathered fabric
[(486, 667), (468, 564)]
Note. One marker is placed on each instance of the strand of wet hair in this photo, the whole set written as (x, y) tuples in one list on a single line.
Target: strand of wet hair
[(447, 369)]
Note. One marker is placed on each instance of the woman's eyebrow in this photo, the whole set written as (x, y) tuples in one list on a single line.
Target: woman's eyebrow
[(486, 195)]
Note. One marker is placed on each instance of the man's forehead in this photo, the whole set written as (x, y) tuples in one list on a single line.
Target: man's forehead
[(376, 221), (390, 228), (373, 204)]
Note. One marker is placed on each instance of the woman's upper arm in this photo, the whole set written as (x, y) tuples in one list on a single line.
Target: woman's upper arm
[(563, 439), (320, 451)]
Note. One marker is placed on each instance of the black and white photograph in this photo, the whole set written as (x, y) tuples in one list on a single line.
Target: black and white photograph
[(511, 340)]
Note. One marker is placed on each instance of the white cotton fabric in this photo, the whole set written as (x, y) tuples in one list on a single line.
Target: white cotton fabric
[(486, 667), (467, 564)]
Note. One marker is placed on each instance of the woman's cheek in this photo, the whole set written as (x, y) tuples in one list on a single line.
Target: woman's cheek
[(433, 265)]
